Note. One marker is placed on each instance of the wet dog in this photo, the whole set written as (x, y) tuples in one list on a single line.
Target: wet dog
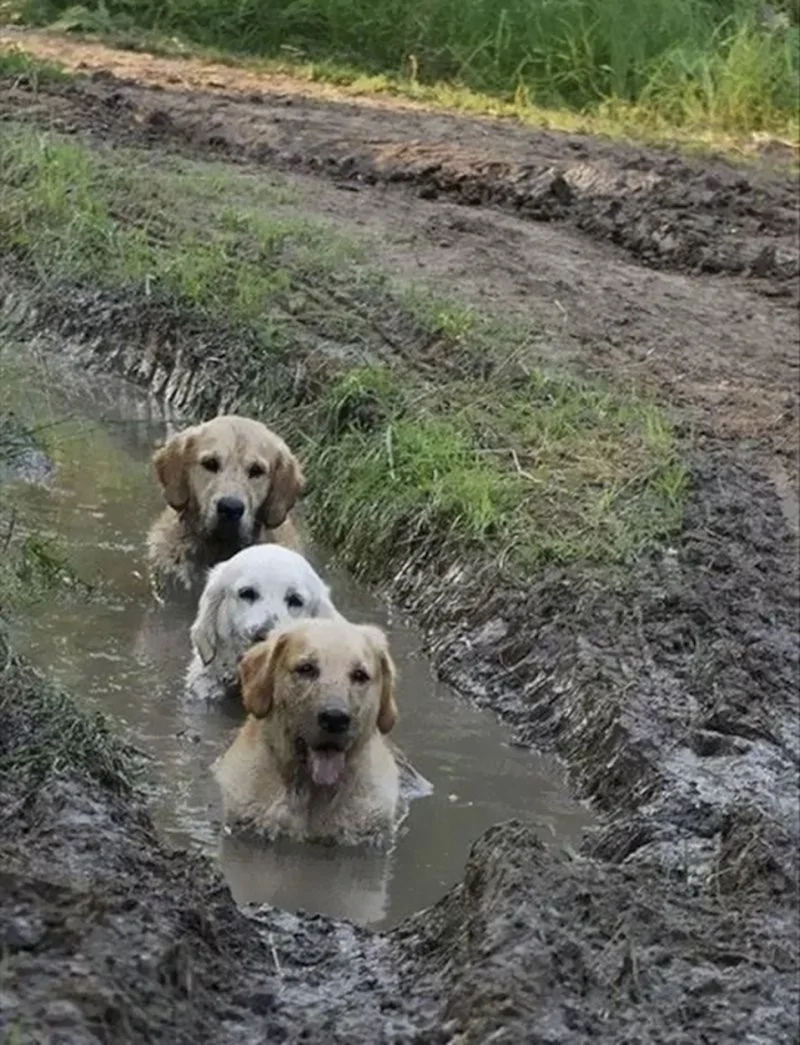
[(311, 763), (245, 598), (229, 483)]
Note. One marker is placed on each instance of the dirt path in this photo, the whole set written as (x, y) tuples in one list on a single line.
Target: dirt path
[(677, 274)]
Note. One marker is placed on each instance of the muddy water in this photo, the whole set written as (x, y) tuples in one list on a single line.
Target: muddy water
[(119, 652)]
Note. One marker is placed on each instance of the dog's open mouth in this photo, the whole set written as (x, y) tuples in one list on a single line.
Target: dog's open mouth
[(326, 764)]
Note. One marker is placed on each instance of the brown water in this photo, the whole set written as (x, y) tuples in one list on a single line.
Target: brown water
[(121, 653)]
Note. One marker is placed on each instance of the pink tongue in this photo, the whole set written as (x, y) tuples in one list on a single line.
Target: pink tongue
[(326, 766)]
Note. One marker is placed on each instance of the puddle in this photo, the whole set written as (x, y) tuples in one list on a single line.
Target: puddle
[(121, 653)]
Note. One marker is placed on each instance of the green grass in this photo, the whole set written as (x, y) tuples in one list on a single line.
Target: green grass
[(420, 439), (43, 732), (730, 64), (20, 68)]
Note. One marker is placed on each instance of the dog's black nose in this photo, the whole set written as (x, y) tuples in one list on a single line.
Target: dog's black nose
[(260, 633), (230, 508), (333, 720)]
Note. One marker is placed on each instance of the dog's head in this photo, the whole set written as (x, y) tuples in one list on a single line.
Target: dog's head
[(250, 594), (324, 687), (227, 477)]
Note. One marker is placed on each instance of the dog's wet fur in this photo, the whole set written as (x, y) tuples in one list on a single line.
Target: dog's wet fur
[(311, 762), (229, 483), (245, 598)]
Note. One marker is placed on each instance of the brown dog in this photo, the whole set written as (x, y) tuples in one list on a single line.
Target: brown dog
[(311, 762), (228, 484)]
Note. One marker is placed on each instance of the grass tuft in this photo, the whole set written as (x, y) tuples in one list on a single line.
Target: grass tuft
[(22, 68), (44, 734), (421, 441)]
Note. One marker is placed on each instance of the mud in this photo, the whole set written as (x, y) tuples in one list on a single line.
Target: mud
[(670, 689), (146, 945)]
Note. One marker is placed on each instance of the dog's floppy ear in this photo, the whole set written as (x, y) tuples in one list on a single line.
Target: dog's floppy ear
[(170, 465), (257, 674), (203, 632), (387, 711), (287, 484)]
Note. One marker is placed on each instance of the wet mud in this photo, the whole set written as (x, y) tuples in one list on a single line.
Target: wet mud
[(670, 689)]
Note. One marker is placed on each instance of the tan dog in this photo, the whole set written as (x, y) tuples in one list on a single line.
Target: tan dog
[(228, 484), (311, 762)]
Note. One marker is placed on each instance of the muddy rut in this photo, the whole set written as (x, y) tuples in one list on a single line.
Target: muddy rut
[(671, 692)]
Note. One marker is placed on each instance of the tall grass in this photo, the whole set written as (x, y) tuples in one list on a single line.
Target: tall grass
[(730, 62)]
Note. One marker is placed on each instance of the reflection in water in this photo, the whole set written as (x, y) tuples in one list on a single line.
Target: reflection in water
[(345, 883), (122, 653)]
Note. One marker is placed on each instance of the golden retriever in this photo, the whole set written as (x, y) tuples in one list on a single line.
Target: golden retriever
[(245, 598), (228, 483), (311, 762)]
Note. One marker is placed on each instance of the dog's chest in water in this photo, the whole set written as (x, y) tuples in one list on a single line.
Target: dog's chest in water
[(322, 814)]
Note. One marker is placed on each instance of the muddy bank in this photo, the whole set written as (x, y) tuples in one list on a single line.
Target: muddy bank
[(535, 947), (109, 937), (663, 209)]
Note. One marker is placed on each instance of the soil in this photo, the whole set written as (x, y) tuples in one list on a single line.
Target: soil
[(670, 689)]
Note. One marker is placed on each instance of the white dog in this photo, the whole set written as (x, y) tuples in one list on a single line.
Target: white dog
[(244, 598)]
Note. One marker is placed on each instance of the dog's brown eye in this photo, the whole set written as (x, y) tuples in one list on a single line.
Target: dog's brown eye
[(306, 669), (248, 594), (211, 464), (255, 471), (359, 676)]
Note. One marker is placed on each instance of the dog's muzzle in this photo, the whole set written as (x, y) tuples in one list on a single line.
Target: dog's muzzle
[(228, 523), (262, 632)]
